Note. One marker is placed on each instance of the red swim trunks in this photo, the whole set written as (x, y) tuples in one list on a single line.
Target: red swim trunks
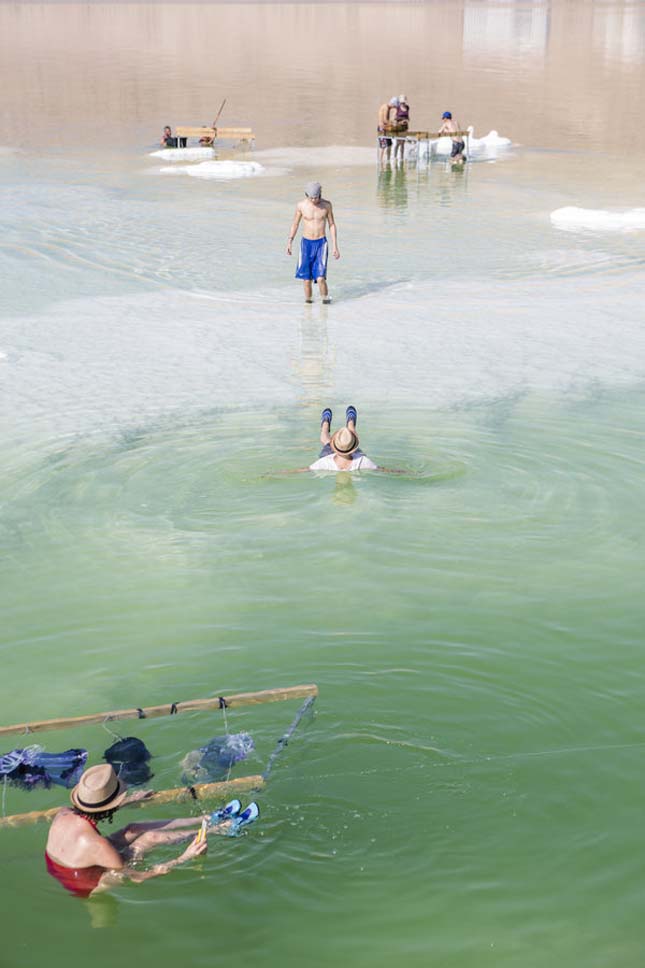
[(80, 881)]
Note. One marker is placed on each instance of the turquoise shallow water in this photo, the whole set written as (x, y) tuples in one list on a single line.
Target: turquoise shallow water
[(467, 791)]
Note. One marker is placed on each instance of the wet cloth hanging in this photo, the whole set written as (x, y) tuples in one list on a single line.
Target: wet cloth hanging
[(130, 757), (31, 767), (215, 759)]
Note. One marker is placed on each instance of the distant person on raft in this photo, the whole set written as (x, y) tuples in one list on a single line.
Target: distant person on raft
[(169, 141), (316, 213)]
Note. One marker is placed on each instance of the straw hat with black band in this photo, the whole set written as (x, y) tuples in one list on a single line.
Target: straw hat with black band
[(344, 442), (98, 789)]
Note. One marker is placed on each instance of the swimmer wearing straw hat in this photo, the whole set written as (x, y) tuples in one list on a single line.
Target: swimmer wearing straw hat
[(85, 862)]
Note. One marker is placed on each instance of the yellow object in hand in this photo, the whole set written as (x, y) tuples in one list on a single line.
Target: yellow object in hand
[(201, 833)]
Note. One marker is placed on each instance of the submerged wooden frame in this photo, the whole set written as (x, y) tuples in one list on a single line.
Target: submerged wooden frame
[(200, 791), (416, 137)]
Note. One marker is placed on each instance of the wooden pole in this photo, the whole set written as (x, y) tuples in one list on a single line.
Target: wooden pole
[(197, 793), (168, 709), (284, 739), (221, 108)]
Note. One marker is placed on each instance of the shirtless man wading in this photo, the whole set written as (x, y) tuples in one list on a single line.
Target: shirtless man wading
[(450, 127), (316, 213)]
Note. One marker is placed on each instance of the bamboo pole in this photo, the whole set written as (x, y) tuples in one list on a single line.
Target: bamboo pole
[(167, 709), (199, 792), (284, 739)]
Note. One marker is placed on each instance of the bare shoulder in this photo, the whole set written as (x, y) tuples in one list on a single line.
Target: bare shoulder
[(65, 819), (325, 203)]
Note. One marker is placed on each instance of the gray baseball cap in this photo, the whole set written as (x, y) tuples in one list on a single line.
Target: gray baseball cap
[(313, 190)]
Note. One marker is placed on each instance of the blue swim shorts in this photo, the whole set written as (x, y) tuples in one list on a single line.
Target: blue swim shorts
[(312, 263)]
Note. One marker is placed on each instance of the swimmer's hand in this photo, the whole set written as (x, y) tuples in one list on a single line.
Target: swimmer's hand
[(289, 247), (335, 253), (194, 849)]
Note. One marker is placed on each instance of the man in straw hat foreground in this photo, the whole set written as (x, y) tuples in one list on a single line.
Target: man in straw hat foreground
[(341, 450), (85, 862)]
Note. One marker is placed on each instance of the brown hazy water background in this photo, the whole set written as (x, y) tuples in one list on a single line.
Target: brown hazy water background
[(561, 74)]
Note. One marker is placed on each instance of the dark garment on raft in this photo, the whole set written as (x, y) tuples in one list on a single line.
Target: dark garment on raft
[(31, 767), (129, 757), (457, 148)]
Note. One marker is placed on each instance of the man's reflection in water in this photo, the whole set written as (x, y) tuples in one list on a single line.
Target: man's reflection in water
[(313, 366), (344, 492), (450, 183), (392, 187), (103, 910)]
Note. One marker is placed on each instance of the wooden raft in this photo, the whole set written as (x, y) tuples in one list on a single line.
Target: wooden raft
[(198, 792), (432, 135), (229, 134), (167, 709)]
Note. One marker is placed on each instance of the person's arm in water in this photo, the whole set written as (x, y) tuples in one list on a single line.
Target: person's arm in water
[(116, 876), (332, 232), (294, 228)]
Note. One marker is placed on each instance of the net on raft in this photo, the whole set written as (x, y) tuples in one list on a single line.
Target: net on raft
[(215, 760)]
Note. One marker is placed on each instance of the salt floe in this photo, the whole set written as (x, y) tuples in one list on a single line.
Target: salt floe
[(486, 147), (597, 219), (223, 170), (184, 154)]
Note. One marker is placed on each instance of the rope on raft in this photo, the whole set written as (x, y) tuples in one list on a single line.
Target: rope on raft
[(284, 739), (150, 712)]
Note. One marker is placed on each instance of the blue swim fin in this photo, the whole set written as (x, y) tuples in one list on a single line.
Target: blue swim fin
[(248, 816), (230, 811)]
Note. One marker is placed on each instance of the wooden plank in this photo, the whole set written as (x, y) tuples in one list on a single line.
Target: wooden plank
[(167, 709), (424, 135), (246, 133), (192, 132), (205, 132), (202, 791)]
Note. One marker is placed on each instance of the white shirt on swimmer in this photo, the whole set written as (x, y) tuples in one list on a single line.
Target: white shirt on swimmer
[(359, 463)]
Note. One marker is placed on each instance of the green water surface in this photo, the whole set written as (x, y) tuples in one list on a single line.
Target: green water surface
[(468, 790)]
